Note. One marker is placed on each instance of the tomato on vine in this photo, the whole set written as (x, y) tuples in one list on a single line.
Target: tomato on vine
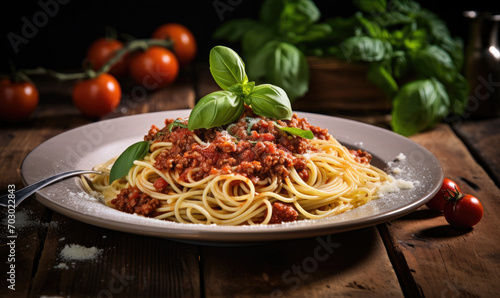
[(462, 210), (439, 200), (154, 68), (102, 50), (184, 42), (96, 97), (18, 100)]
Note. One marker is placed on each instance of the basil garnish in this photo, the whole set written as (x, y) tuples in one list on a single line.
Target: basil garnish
[(125, 161), (222, 107), (226, 67), (306, 134), (177, 122), (215, 109), (270, 101)]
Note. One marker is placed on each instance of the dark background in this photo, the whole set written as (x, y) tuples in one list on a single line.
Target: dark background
[(61, 44)]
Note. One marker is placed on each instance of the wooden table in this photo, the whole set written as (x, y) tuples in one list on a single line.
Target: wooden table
[(416, 255)]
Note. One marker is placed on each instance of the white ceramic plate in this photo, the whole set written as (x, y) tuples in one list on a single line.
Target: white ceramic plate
[(86, 146)]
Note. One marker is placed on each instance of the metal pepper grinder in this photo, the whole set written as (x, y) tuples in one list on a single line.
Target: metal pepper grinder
[(482, 65)]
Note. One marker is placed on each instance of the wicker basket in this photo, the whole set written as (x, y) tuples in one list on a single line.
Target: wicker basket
[(338, 85)]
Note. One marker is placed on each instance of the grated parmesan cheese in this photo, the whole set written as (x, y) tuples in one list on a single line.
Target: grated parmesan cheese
[(394, 186), (78, 252), (397, 170), (401, 156)]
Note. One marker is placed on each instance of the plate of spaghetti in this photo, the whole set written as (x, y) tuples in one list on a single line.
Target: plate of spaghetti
[(254, 179)]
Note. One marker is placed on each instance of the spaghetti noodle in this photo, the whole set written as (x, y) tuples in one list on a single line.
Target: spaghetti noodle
[(248, 172)]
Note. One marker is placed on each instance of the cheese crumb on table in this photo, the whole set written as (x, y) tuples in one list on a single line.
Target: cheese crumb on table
[(78, 252)]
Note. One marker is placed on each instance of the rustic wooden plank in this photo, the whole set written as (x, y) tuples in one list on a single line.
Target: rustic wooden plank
[(483, 139), (347, 264), (31, 218), (31, 223), (127, 265), (445, 261)]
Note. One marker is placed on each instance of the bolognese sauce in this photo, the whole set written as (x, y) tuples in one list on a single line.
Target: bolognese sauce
[(254, 147)]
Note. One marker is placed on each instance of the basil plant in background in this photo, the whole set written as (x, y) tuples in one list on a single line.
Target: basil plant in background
[(408, 50)]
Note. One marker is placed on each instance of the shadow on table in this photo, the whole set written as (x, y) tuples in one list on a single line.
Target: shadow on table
[(278, 268)]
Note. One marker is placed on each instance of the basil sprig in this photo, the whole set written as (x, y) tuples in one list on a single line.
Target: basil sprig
[(306, 134), (125, 161), (215, 109), (177, 122), (223, 107)]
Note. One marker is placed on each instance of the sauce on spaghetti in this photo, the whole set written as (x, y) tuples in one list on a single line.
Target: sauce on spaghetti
[(253, 147)]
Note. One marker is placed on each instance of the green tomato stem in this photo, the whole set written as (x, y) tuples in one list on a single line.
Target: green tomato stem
[(138, 44), (134, 45)]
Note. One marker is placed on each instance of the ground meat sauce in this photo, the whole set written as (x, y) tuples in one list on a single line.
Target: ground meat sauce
[(361, 156), (132, 200), (283, 213), (253, 147)]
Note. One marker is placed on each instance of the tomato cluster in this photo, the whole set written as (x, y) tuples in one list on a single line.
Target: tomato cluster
[(460, 210), (99, 93)]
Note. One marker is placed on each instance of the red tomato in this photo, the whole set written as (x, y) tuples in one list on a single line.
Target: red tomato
[(438, 201), (98, 96), (17, 100), (101, 51), (154, 68), (184, 41), (463, 211)]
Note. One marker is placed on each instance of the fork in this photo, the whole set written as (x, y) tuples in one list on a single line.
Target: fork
[(19, 195)]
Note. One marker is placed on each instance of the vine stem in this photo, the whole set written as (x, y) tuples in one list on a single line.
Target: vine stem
[(134, 45)]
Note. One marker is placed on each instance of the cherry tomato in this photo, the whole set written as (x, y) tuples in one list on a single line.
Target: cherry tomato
[(184, 41), (463, 211), (438, 201), (103, 49), (17, 100), (154, 68), (97, 96)]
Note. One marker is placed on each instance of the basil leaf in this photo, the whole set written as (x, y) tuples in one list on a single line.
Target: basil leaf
[(433, 61), (226, 67), (458, 91), (269, 10), (216, 109), (234, 30), (373, 6), (405, 6), (125, 161), (418, 106), (270, 101), (364, 48), (380, 76), (306, 134), (255, 38), (177, 122), (281, 64), (298, 14)]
